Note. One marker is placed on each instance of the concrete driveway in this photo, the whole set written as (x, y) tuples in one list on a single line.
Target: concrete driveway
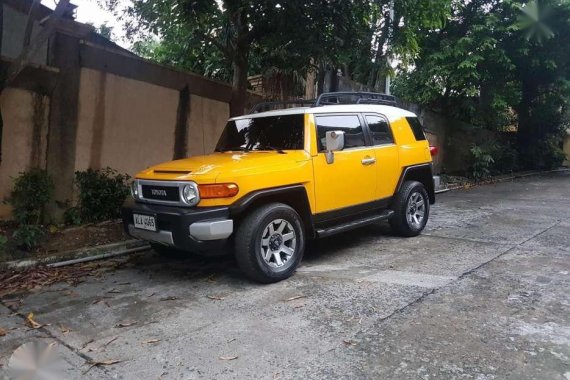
[(484, 293)]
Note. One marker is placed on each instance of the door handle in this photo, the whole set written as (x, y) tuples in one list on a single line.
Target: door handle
[(368, 161)]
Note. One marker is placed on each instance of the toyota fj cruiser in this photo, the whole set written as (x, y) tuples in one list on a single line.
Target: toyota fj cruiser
[(281, 177)]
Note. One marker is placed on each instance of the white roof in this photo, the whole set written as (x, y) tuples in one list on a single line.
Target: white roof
[(390, 112)]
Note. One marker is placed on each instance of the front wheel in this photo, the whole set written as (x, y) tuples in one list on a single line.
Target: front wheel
[(411, 209), (270, 243)]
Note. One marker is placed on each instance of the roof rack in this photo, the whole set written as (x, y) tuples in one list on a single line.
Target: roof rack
[(269, 106), (330, 98)]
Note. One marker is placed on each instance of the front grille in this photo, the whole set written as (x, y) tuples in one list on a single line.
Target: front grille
[(161, 193)]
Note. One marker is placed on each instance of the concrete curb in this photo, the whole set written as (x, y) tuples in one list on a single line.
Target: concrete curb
[(80, 255), (502, 178)]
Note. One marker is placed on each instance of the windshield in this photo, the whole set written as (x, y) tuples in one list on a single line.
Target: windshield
[(277, 133)]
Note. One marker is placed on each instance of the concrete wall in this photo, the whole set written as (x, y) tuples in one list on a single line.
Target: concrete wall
[(25, 116), (123, 123), (206, 120)]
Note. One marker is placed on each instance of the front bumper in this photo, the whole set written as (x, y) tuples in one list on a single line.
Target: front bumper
[(204, 230)]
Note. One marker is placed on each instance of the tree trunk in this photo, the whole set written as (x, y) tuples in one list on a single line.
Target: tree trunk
[(239, 84), (239, 57)]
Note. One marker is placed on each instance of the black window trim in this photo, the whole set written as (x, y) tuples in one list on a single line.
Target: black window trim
[(365, 131), (371, 139)]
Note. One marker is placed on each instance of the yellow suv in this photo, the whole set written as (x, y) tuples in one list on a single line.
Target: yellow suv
[(279, 178)]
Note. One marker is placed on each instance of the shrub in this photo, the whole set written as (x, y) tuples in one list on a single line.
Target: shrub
[(506, 158), (101, 194), (32, 191), (546, 154), (29, 236), (3, 242), (482, 162), (72, 216)]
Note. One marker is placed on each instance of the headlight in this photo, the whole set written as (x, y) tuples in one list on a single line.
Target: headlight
[(190, 195), (135, 189)]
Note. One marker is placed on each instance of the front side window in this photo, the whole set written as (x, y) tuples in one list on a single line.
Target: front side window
[(285, 132), (379, 129), (349, 124)]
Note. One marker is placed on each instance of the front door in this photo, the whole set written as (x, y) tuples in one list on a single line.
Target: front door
[(351, 179)]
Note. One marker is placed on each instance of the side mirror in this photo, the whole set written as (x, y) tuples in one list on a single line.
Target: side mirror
[(334, 142)]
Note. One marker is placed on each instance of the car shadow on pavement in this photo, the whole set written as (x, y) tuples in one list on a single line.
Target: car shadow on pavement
[(192, 266)]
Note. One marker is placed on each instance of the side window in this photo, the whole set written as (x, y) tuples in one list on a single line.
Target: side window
[(349, 124), (379, 129), (416, 128)]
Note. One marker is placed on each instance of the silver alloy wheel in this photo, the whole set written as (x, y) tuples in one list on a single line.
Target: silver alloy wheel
[(278, 243), (416, 210)]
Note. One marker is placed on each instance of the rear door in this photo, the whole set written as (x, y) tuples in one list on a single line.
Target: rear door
[(386, 153), (351, 179)]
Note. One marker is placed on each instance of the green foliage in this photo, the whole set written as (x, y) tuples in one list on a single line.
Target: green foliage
[(72, 216), (213, 38), (32, 191), (482, 162), (29, 236), (499, 65), (101, 195), (546, 154)]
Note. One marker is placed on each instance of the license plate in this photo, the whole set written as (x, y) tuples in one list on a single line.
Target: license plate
[(145, 222)]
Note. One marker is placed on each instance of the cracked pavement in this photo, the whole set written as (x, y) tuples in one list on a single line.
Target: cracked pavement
[(484, 293)]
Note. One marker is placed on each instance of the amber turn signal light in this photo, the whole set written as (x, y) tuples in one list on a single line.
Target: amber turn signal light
[(218, 190)]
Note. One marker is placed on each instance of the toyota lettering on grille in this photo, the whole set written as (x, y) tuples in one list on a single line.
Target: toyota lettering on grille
[(158, 192)]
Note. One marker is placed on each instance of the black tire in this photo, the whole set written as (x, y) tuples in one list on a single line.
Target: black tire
[(400, 223), (248, 243), (169, 252)]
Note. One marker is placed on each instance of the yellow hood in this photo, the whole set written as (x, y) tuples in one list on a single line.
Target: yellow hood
[(207, 169)]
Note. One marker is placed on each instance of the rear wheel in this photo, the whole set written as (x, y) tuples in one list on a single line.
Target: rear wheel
[(270, 243), (411, 209)]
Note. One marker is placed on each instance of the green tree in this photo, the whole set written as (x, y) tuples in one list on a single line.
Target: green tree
[(494, 60)]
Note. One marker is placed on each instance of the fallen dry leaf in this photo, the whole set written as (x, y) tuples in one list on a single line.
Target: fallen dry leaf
[(31, 323), (3, 332), (12, 282), (151, 341), (295, 298), (103, 362), (109, 342), (87, 343), (171, 298), (228, 357), (125, 324), (217, 298), (64, 330), (349, 342)]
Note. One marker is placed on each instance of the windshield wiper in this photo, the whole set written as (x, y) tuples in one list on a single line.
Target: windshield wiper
[(235, 148), (269, 147)]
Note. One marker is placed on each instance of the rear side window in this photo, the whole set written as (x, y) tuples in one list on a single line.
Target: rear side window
[(417, 128), (349, 124), (379, 129)]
